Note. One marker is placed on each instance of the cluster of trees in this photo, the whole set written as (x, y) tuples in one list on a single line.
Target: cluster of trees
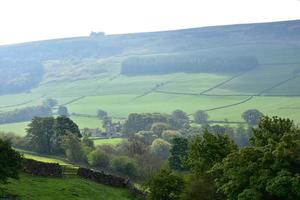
[(25, 114), (28, 113), (45, 135), (211, 166), (163, 64), (17, 76)]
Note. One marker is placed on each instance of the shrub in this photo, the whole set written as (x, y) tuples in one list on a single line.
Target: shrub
[(160, 147), (169, 135), (98, 158), (124, 165)]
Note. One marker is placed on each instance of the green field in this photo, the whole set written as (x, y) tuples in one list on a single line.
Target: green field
[(111, 141), (33, 187), (90, 83)]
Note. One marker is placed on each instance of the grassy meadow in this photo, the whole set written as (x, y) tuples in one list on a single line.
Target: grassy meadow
[(90, 84), (110, 141), (34, 187)]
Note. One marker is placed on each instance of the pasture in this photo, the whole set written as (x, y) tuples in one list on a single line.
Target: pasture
[(34, 187), (110, 141)]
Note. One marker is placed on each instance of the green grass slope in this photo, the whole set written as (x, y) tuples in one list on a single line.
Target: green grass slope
[(30, 187)]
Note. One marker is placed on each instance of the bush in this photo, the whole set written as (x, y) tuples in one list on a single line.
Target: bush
[(201, 117), (159, 127), (166, 185), (169, 135), (98, 158), (10, 162), (124, 165), (160, 147)]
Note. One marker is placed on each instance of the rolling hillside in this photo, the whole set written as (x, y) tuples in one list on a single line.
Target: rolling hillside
[(192, 69)]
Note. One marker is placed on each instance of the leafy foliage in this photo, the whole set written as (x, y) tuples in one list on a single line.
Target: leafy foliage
[(269, 169), (200, 117), (252, 116), (125, 165), (98, 158), (208, 150), (45, 133), (166, 185), (160, 147), (179, 153), (10, 162)]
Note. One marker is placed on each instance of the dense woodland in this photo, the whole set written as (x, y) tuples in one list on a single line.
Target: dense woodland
[(164, 64)]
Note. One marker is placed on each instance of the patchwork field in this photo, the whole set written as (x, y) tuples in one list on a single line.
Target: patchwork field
[(89, 81)]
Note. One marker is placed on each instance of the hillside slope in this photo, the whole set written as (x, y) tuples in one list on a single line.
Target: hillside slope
[(192, 69)]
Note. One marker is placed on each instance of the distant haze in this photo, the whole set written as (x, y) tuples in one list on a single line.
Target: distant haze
[(30, 20)]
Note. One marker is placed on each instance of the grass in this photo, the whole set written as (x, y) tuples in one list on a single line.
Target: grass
[(104, 88), (17, 128), (43, 158), (111, 141), (30, 187)]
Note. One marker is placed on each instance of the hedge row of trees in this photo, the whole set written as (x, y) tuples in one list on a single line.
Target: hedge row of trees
[(25, 114), (164, 64)]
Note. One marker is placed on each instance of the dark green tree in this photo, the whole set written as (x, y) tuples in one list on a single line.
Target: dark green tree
[(207, 150), (267, 170), (179, 153), (72, 147), (40, 134), (201, 117), (63, 111), (10, 162), (62, 126), (252, 116), (98, 158), (44, 133), (166, 185)]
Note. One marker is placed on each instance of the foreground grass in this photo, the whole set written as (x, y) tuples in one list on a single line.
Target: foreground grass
[(40, 188)]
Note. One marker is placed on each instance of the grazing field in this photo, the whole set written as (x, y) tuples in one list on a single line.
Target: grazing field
[(89, 81), (33, 187), (111, 141), (17, 128), (42, 158)]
